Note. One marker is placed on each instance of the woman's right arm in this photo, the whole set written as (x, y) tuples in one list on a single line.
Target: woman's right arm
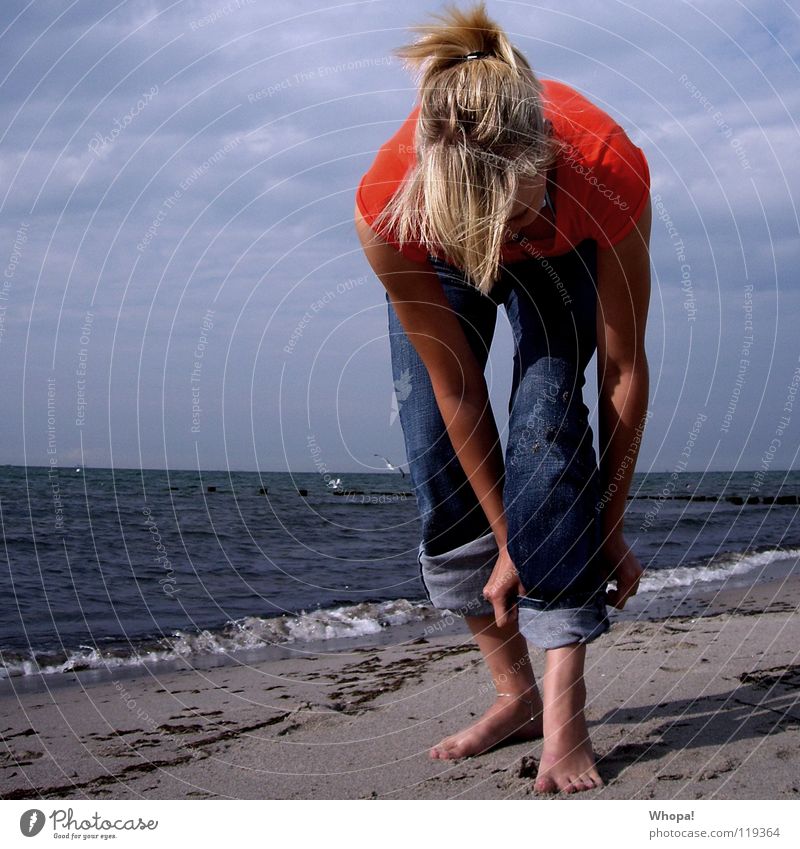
[(456, 377)]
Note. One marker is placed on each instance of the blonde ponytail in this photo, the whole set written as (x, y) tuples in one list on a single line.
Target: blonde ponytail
[(481, 129)]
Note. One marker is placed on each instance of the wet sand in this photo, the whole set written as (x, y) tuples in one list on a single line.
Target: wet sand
[(701, 704)]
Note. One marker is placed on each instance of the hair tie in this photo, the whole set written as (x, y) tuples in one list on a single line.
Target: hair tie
[(477, 54)]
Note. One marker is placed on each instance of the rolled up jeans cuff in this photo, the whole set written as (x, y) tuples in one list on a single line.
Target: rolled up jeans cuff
[(574, 620), (454, 580)]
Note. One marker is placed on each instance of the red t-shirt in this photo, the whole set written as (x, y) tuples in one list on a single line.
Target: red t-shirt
[(601, 182)]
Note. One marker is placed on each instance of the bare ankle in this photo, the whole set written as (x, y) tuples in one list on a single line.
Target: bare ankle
[(531, 703)]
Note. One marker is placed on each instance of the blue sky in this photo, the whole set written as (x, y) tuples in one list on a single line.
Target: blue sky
[(182, 284)]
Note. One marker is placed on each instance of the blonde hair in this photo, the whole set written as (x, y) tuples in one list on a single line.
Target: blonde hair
[(481, 129)]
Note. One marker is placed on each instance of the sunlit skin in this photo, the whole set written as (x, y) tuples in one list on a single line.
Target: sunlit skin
[(520, 711), (567, 762)]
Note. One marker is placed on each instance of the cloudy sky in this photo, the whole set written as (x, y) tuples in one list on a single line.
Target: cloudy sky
[(182, 283)]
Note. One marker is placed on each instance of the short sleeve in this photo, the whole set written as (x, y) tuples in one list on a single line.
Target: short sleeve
[(622, 180), (383, 179), (411, 250)]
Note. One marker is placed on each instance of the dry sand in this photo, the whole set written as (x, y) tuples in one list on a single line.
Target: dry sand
[(687, 707)]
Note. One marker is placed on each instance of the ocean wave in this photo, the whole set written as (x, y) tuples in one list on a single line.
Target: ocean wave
[(355, 620), (249, 632), (718, 569)]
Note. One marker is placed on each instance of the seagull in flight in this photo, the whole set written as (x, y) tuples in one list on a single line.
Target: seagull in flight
[(390, 465)]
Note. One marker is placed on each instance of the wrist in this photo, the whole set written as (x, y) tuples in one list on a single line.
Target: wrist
[(500, 531)]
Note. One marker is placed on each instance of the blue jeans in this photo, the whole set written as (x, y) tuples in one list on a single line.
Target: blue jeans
[(550, 481)]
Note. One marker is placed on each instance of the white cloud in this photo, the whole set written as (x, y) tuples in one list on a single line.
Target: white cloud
[(311, 91)]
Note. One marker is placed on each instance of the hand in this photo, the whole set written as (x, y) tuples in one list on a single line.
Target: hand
[(502, 590), (623, 567)]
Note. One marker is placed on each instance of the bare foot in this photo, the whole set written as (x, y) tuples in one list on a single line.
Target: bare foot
[(567, 762), (508, 719)]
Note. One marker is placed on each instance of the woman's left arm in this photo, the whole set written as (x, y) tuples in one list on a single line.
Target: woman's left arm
[(623, 287)]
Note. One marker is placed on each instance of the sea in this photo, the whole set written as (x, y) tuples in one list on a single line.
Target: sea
[(109, 568)]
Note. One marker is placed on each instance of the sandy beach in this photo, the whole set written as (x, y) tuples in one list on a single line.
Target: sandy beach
[(697, 705)]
